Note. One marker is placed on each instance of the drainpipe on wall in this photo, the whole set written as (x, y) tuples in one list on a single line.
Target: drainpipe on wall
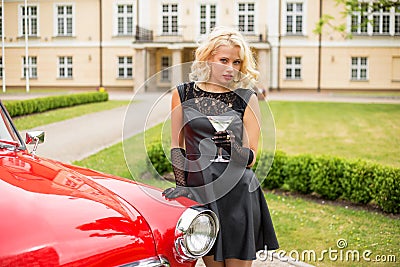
[(101, 43), (27, 70), (2, 47), (279, 47), (319, 50)]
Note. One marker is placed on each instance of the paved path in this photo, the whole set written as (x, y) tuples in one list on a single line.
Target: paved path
[(80, 137), (77, 138)]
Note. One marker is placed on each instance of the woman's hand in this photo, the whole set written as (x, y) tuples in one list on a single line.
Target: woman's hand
[(227, 141), (178, 191)]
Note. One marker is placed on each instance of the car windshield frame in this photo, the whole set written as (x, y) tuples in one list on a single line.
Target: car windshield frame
[(7, 127)]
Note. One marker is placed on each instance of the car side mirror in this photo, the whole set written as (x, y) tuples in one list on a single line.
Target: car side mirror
[(34, 138)]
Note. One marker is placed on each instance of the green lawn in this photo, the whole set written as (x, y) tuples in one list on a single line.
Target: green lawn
[(304, 225), (367, 131), (34, 120)]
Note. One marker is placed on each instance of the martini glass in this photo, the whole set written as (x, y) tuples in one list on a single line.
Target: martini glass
[(220, 123)]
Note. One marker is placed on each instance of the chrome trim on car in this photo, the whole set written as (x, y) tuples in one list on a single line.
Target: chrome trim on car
[(181, 232), (149, 262)]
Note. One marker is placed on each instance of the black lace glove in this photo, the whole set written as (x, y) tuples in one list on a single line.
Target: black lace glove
[(178, 157), (226, 140)]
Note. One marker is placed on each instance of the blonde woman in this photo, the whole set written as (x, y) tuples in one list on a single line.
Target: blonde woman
[(223, 74)]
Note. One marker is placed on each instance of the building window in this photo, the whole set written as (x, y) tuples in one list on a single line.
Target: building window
[(397, 20), (31, 66), (1, 67), (170, 18), (293, 68), (165, 71), (381, 19), (31, 16), (359, 20), (208, 18), (125, 67), (246, 17), (1, 21), (359, 68), (65, 67), (125, 19), (373, 18), (294, 18), (64, 20)]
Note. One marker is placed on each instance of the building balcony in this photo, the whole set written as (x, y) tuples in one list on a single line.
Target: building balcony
[(144, 35)]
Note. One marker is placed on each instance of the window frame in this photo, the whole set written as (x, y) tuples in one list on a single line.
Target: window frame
[(33, 68), (392, 15), (208, 20), (246, 13), (294, 15), (381, 14), (396, 21), (172, 28), (66, 66), (165, 69), (293, 67), (358, 68), (1, 67), (65, 18), (1, 20), (125, 66), (125, 16), (21, 20)]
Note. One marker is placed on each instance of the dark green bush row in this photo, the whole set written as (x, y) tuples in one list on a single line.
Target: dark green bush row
[(36, 105), (331, 177), (158, 160), (334, 178)]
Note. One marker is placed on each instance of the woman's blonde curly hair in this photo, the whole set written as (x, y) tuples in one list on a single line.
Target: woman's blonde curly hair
[(224, 36)]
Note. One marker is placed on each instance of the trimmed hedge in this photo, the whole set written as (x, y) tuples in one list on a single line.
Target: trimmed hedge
[(330, 177), (29, 106), (157, 160), (333, 178)]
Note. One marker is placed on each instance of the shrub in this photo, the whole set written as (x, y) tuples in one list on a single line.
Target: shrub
[(386, 188), (298, 171), (37, 105), (357, 181), (157, 160), (274, 175), (326, 177)]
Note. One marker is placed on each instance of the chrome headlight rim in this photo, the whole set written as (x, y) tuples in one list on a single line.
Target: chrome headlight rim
[(156, 261), (185, 222)]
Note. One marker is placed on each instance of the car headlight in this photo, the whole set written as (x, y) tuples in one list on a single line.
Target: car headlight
[(195, 233)]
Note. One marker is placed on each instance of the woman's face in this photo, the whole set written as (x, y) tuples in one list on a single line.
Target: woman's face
[(225, 65)]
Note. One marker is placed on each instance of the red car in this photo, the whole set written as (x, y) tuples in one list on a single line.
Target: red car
[(54, 214)]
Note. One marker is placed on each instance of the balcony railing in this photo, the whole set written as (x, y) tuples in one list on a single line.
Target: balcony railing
[(143, 35)]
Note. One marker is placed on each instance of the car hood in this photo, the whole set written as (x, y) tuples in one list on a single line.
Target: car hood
[(161, 214), (54, 213)]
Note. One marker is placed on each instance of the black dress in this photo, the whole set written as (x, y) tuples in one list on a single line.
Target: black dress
[(245, 223)]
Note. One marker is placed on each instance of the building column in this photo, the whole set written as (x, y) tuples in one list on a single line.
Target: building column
[(140, 68), (176, 67), (264, 69), (274, 84)]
